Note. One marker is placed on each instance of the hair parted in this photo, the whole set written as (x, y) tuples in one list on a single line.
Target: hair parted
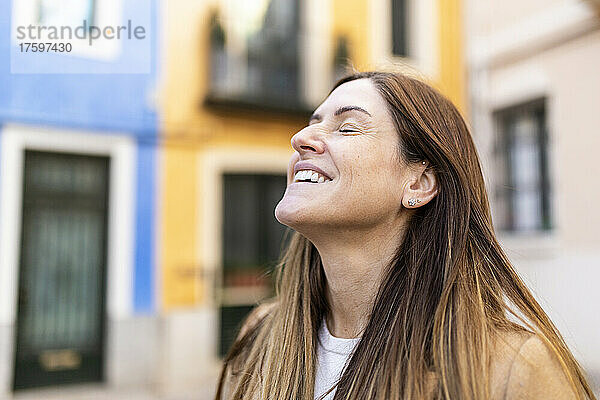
[(442, 302)]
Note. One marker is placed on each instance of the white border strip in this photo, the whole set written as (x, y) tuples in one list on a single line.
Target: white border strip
[(423, 37), (316, 69), (121, 150), (214, 163)]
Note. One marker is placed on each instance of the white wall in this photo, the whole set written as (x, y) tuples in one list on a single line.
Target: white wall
[(519, 51), (15, 139)]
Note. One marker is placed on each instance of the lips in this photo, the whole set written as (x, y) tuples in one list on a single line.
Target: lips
[(306, 166)]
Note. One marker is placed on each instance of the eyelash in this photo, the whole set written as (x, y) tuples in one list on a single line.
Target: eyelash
[(347, 130)]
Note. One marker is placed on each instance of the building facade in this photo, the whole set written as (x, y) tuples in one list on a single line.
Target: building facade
[(241, 78), (534, 97), (77, 199), (137, 199)]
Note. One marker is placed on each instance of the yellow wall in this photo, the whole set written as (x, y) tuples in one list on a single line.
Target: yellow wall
[(180, 207), (188, 128), (452, 68), (350, 19)]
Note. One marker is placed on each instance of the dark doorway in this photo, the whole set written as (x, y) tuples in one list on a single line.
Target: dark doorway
[(62, 271), (252, 242)]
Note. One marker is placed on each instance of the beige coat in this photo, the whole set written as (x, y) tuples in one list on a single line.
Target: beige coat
[(522, 369)]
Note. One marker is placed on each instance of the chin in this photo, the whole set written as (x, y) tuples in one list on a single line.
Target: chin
[(286, 213), (294, 215)]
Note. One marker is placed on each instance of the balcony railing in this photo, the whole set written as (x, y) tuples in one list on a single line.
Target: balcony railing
[(258, 67)]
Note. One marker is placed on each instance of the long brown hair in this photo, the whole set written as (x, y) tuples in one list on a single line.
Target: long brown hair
[(445, 297)]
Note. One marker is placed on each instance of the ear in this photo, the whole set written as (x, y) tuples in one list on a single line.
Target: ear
[(421, 188)]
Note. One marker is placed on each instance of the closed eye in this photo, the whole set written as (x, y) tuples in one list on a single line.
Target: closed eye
[(349, 129)]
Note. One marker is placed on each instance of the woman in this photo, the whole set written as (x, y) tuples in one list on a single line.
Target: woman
[(395, 264)]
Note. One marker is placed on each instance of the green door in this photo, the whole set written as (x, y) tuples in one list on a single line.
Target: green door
[(62, 274)]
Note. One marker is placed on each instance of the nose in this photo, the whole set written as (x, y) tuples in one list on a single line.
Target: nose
[(307, 141)]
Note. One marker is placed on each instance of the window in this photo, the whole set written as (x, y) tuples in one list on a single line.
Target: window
[(65, 12), (341, 58), (70, 21), (523, 191), (254, 54), (399, 28), (406, 32), (252, 242)]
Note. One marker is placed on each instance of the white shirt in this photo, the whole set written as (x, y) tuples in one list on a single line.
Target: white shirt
[(332, 354)]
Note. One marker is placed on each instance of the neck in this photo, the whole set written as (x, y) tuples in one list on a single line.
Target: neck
[(354, 264)]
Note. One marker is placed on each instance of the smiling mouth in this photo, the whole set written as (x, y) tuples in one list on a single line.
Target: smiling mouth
[(310, 176)]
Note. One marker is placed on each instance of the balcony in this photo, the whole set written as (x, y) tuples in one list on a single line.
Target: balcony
[(255, 59)]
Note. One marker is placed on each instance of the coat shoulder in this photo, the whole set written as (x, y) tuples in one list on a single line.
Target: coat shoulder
[(231, 371), (524, 367)]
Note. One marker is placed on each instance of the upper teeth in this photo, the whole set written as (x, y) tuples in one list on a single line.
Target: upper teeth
[(310, 175)]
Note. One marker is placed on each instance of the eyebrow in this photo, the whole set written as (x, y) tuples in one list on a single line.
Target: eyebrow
[(340, 111)]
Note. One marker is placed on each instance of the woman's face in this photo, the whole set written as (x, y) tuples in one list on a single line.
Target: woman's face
[(354, 176)]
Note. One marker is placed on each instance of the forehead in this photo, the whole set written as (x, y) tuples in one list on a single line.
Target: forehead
[(359, 92)]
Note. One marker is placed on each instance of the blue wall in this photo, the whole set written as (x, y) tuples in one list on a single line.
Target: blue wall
[(144, 288), (97, 102)]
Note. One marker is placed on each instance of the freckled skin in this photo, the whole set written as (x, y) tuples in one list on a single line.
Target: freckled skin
[(356, 221), (367, 176)]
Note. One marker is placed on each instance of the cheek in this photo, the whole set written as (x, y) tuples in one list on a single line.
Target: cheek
[(373, 187), (372, 170)]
